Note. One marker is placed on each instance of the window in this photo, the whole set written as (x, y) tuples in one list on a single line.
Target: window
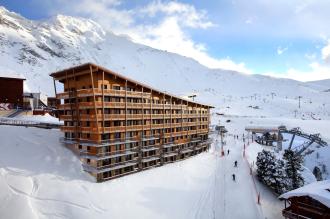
[(117, 135), (105, 86), (116, 87), (107, 99)]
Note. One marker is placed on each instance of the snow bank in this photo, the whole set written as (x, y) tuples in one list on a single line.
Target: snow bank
[(317, 190), (39, 118)]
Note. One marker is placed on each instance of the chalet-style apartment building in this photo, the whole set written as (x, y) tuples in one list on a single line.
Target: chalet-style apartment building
[(119, 126)]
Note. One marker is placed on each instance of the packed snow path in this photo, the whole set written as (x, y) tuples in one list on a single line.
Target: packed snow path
[(225, 197)]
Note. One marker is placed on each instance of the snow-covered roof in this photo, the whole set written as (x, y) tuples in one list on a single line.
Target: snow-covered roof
[(11, 75), (260, 128), (319, 191)]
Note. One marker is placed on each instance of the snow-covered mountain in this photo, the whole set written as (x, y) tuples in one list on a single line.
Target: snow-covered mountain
[(37, 48)]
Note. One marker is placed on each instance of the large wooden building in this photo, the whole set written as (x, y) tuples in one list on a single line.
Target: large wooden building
[(120, 126)]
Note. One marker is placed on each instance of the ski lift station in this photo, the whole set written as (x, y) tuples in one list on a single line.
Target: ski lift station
[(267, 135)]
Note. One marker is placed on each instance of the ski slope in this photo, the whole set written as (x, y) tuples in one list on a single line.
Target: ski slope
[(45, 180)]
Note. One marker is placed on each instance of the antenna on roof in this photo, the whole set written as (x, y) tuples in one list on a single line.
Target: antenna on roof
[(192, 96)]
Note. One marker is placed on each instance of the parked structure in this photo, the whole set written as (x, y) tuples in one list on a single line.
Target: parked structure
[(119, 126), (11, 92), (310, 201)]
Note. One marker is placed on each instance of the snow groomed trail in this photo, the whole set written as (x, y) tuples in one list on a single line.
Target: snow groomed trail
[(224, 197), (198, 187)]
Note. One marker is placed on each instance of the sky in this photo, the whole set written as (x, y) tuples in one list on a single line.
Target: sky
[(279, 38)]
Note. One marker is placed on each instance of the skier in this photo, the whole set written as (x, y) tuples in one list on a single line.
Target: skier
[(234, 177), (228, 151), (235, 164)]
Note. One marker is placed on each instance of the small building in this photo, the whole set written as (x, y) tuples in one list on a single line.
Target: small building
[(310, 201), (269, 135), (11, 90)]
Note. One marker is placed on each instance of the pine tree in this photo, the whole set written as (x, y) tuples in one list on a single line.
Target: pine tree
[(279, 178), (271, 171), (263, 160), (292, 168), (317, 173)]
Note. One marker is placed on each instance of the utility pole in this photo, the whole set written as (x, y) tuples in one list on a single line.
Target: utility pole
[(192, 96), (272, 93), (299, 97), (295, 113)]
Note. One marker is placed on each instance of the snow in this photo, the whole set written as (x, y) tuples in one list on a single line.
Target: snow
[(43, 179), (11, 75), (39, 118), (317, 190)]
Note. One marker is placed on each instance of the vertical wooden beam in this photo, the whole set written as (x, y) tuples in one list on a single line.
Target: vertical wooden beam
[(55, 88), (95, 109), (182, 117), (142, 103), (103, 101), (151, 98), (77, 105), (125, 110), (69, 91), (171, 117)]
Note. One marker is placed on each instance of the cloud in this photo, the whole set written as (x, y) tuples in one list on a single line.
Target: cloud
[(190, 16), (317, 72), (281, 50), (326, 53), (163, 25)]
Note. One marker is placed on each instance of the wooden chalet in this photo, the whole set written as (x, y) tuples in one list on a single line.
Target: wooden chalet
[(308, 202)]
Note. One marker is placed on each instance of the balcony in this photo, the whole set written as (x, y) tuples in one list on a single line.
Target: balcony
[(287, 213), (107, 155), (105, 92), (96, 170), (102, 143)]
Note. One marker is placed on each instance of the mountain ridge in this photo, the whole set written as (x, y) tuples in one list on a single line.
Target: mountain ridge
[(37, 48)]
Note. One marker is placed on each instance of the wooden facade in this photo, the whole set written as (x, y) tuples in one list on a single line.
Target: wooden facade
[(11, 91), (305, 207), (120, 126)]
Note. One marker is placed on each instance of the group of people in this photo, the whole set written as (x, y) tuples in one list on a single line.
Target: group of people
[(235, 165)]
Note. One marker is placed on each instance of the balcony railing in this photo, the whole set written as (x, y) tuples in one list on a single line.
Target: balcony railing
[(287, 213)]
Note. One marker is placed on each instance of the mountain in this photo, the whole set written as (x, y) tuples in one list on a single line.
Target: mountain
[(322, 85), (34, 49)]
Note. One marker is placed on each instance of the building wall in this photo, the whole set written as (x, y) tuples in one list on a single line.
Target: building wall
[(11, 91), (153, 127)]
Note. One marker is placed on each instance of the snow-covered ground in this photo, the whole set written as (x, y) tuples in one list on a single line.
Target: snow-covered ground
[(45, 180)]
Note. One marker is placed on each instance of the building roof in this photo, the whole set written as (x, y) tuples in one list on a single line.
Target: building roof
[(262, 129), (11, 76), (62, 73), (319, 191)]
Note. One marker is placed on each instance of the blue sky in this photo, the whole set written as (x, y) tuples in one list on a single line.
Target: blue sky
[(278, 38)]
